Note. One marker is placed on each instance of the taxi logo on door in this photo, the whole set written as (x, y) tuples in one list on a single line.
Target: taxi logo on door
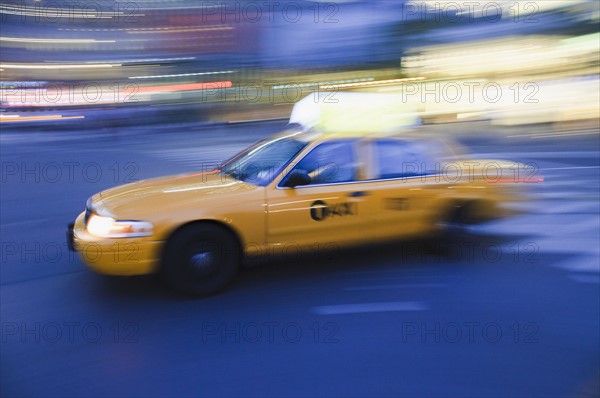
[(320, 210)]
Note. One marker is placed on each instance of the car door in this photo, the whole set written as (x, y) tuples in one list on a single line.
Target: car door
[(402, 187), (328, 210)]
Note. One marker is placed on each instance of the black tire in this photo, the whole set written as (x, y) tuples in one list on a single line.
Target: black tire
[(450, 228), (201, 259)]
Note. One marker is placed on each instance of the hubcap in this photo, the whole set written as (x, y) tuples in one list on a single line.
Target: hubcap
[(203, 262)]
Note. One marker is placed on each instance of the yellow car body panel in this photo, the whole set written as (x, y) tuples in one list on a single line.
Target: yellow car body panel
[(135, 256), (271, 217)]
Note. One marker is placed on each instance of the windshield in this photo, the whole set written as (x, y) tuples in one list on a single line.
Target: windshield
[(260, 163)]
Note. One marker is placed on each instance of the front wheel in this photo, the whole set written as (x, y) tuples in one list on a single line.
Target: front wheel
[(201, 260)]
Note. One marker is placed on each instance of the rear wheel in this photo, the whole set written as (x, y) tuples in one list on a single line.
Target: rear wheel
[(453, 225), (201, 260), (449, 229)]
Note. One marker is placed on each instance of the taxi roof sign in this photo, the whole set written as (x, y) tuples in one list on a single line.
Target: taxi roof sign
[(346, 112)]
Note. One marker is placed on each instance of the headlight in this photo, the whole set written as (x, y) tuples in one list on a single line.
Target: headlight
[(106, 227)]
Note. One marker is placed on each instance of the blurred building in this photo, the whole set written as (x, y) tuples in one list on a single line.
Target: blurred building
[(330, 34), (186, 53)]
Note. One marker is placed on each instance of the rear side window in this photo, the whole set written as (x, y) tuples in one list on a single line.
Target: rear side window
[(401, 159), (330, 162)]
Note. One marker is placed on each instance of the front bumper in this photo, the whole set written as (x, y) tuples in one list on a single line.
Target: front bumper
[(120, 256)]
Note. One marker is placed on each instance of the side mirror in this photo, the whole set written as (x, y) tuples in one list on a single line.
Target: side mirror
[(296, 178)]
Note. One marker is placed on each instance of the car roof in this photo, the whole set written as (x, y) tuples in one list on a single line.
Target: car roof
[(300, 133), (297, 132)]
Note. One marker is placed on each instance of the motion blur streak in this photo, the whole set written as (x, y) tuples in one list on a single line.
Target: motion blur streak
[(184, 87)]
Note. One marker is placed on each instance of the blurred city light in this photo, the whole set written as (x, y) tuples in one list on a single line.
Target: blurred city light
[(509, 62)]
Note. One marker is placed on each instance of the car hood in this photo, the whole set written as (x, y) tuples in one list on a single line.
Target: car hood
[(163, 193)]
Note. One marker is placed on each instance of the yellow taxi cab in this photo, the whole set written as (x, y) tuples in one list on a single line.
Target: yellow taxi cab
[(300, 188)]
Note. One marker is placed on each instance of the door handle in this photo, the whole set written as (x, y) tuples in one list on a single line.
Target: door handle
[(358, 194)]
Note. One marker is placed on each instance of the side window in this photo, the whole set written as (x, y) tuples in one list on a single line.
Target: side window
[(401, 159), (330, 162)]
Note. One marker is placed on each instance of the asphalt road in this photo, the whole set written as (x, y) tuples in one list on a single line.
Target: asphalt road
[(512, 309)]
